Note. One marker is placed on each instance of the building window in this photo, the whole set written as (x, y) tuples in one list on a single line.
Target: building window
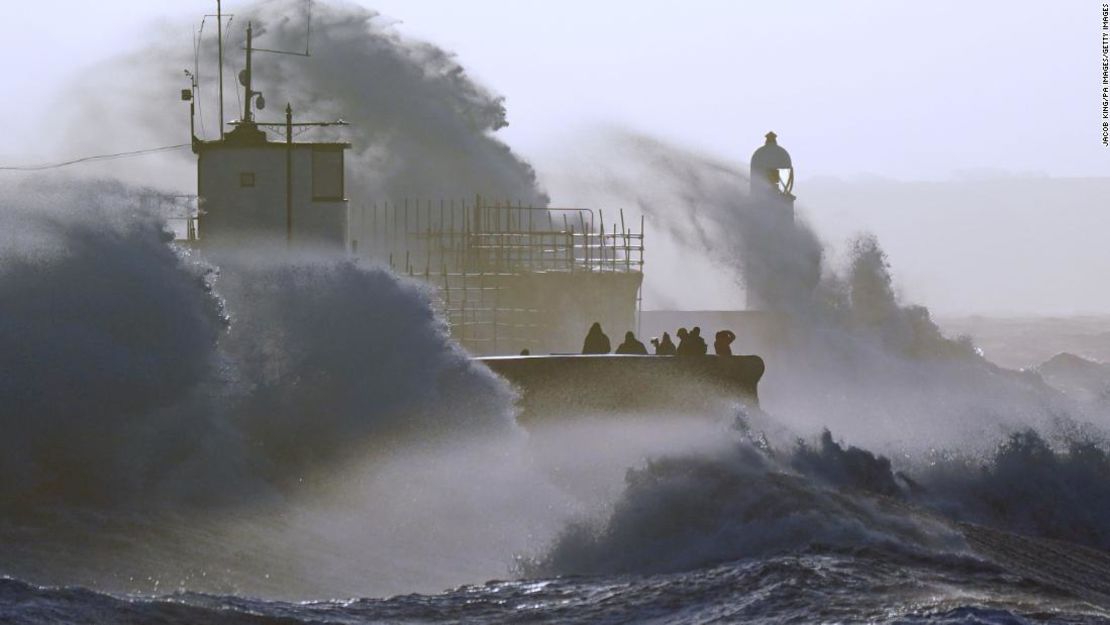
[(246, 179), (327, 173)]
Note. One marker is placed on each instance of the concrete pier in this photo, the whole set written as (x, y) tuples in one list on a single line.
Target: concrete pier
[(587, 384)]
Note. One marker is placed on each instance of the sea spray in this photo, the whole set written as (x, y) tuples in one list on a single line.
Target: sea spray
[(156, 402), (420, 126), (854, 357), (423, 127), (309, 428), (337, 356), (105, 333), (937, 433), (124, 356), (688, 511)]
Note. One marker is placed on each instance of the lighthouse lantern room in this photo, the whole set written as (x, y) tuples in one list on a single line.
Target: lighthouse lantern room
[(772, 177)]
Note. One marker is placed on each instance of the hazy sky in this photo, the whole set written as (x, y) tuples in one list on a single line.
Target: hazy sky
[(907, 90), (902, 89)]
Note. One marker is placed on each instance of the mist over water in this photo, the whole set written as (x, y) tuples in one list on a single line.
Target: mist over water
[(958, 434), (144, 380), (858, 360), (258, 422)]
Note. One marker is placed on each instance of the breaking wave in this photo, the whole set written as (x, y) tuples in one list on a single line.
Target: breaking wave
[(686, 512), (133, 373), (105, 333), (1030, 486), (751, 501)]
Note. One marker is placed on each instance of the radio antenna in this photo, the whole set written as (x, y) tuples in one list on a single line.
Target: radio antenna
[(307, 36), (220, 45), (308, 29), (199, 39), (220, 57)]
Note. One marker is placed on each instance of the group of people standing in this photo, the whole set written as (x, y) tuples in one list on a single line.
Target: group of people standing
[(690, 343)]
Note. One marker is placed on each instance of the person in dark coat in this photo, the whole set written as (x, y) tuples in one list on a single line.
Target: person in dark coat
[(596, 341), (684, 343), (631, 346), (665, 347), (697, 344), (722, 344)]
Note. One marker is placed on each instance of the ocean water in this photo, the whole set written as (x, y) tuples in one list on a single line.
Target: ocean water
[(799, 588), (805, 585), (732, 532)]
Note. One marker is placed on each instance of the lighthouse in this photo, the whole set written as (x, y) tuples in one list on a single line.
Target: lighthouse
[(769, 267)]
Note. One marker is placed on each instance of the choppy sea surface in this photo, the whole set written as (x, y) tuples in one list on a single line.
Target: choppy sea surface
[(666, 555), (868, 586)]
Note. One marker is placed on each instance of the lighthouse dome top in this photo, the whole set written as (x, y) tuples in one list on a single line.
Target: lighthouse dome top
[(771, 155)]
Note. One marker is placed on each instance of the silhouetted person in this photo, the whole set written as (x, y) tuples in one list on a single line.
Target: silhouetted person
[(665, 347), (722, 344), (596, 341), (683, 348), (631, 345), (697, 344)]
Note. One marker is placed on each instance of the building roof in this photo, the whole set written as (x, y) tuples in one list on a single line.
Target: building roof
[(217, 144), (249, 135)]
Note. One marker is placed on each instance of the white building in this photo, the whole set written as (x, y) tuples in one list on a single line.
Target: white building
[(251, 189)]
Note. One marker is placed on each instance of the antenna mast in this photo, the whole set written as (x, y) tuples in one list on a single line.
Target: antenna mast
[(246, 80), (220, 45)]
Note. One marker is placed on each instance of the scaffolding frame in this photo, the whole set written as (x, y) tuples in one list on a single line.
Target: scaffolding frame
[(179, 211), (473, 253)]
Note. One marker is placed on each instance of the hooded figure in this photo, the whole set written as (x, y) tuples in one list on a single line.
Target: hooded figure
[(631, 345), (722, 344), (596, 341), (665, 347)]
